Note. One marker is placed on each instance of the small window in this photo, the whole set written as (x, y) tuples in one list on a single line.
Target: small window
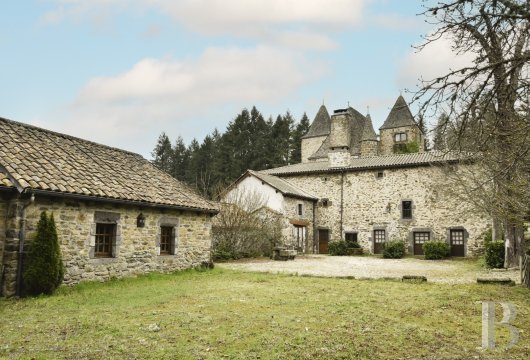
[(300, 209), (105, 239), (406, 207), (400, 137), (166, 240), (380, 174), (351, 237)]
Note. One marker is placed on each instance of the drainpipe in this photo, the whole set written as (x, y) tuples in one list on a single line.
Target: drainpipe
[(21, 239), (314, 228), (341, 200)]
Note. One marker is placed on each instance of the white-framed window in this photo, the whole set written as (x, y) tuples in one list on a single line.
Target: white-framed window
[(400, 137)]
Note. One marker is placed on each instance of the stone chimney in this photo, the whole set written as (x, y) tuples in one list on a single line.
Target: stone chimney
[(339, 144)]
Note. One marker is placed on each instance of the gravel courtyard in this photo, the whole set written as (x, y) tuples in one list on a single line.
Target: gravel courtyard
[(368, 267)]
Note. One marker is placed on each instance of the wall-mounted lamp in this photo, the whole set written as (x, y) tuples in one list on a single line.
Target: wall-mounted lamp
[(140, 221)]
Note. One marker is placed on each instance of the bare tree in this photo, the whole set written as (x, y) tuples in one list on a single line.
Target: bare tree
[(244, 227), (487, 104)]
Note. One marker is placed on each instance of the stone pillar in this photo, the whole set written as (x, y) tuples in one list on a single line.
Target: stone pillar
[(9, 275)]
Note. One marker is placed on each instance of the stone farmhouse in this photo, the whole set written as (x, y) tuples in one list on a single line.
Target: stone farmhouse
[(356, 185), (116, 213)]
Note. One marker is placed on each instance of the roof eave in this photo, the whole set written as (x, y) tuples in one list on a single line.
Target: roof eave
[(364, 168), (212, 211)]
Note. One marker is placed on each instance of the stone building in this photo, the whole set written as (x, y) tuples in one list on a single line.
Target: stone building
[(296, 207), (116, 213), (373, 188)]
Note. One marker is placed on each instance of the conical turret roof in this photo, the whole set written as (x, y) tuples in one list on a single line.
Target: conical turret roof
[(321, 126), (399, 116), (368, 130)]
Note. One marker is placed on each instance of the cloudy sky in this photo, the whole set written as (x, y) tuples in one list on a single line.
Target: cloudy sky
[(120, 72)]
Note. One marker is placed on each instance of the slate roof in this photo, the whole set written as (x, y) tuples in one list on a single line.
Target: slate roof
[(368, 163), (400, 115), (39, 160), (282, 185), (357, 125), (321, 125), (368, 130)]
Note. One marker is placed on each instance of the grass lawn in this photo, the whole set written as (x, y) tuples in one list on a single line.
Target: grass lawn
[(235, 315)]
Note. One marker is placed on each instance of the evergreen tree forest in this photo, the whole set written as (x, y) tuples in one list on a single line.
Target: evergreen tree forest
[(249, 142)]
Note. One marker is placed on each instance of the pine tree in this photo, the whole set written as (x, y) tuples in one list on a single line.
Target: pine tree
[(179, 160), (162, 153), (439, 141), (282, 135), (301, 129), (44, 267)]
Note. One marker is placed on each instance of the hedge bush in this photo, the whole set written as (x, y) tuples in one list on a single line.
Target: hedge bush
[(495, 254), (394, 249), (436, 250), (44, 268), (338, 248)]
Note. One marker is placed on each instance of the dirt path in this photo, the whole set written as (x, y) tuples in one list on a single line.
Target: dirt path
[(442, 271)]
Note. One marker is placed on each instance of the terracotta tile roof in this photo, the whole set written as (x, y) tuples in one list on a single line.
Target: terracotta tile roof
[(282, 185), (43, 160), (372, 162)]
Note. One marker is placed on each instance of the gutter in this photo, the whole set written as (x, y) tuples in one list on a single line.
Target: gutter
[(120, 201), (21, 240)]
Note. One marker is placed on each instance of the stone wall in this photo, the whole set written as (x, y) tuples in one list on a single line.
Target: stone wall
[(136, 249), (386, 144), (339, 158), (369, 147), (373, 201), (310, 146), (3, 217), (293, 218)]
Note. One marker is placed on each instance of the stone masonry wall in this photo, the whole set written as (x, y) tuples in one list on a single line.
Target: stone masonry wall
[(3, 217), (137, 248), (291, 214), (310, 146), (387, 138), (372, 202)]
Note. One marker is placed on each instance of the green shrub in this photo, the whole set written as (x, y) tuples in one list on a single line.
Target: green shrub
[(338, 248), (495, 254), (44, 268), (436, 250), (394, 249), (353, 245)]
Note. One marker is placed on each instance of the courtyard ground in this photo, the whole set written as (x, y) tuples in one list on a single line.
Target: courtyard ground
[(226, 314), (452, 271)]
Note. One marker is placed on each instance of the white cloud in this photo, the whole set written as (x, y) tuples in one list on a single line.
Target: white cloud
[(168, 94), (434, 60), (303, 25)]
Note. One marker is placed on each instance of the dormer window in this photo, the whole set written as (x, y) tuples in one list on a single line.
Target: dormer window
[(400, 137)]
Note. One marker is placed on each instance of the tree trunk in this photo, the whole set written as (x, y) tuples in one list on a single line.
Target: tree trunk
[(496, 230), (514, 239)]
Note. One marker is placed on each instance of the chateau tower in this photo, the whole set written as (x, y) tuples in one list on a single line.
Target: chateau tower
[(400, 131), (340, 137), (369, 142), (317, 133)]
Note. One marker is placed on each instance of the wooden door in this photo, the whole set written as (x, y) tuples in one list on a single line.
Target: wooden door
[(323, 240), (379, 241), (456, 240), (419, 240)]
